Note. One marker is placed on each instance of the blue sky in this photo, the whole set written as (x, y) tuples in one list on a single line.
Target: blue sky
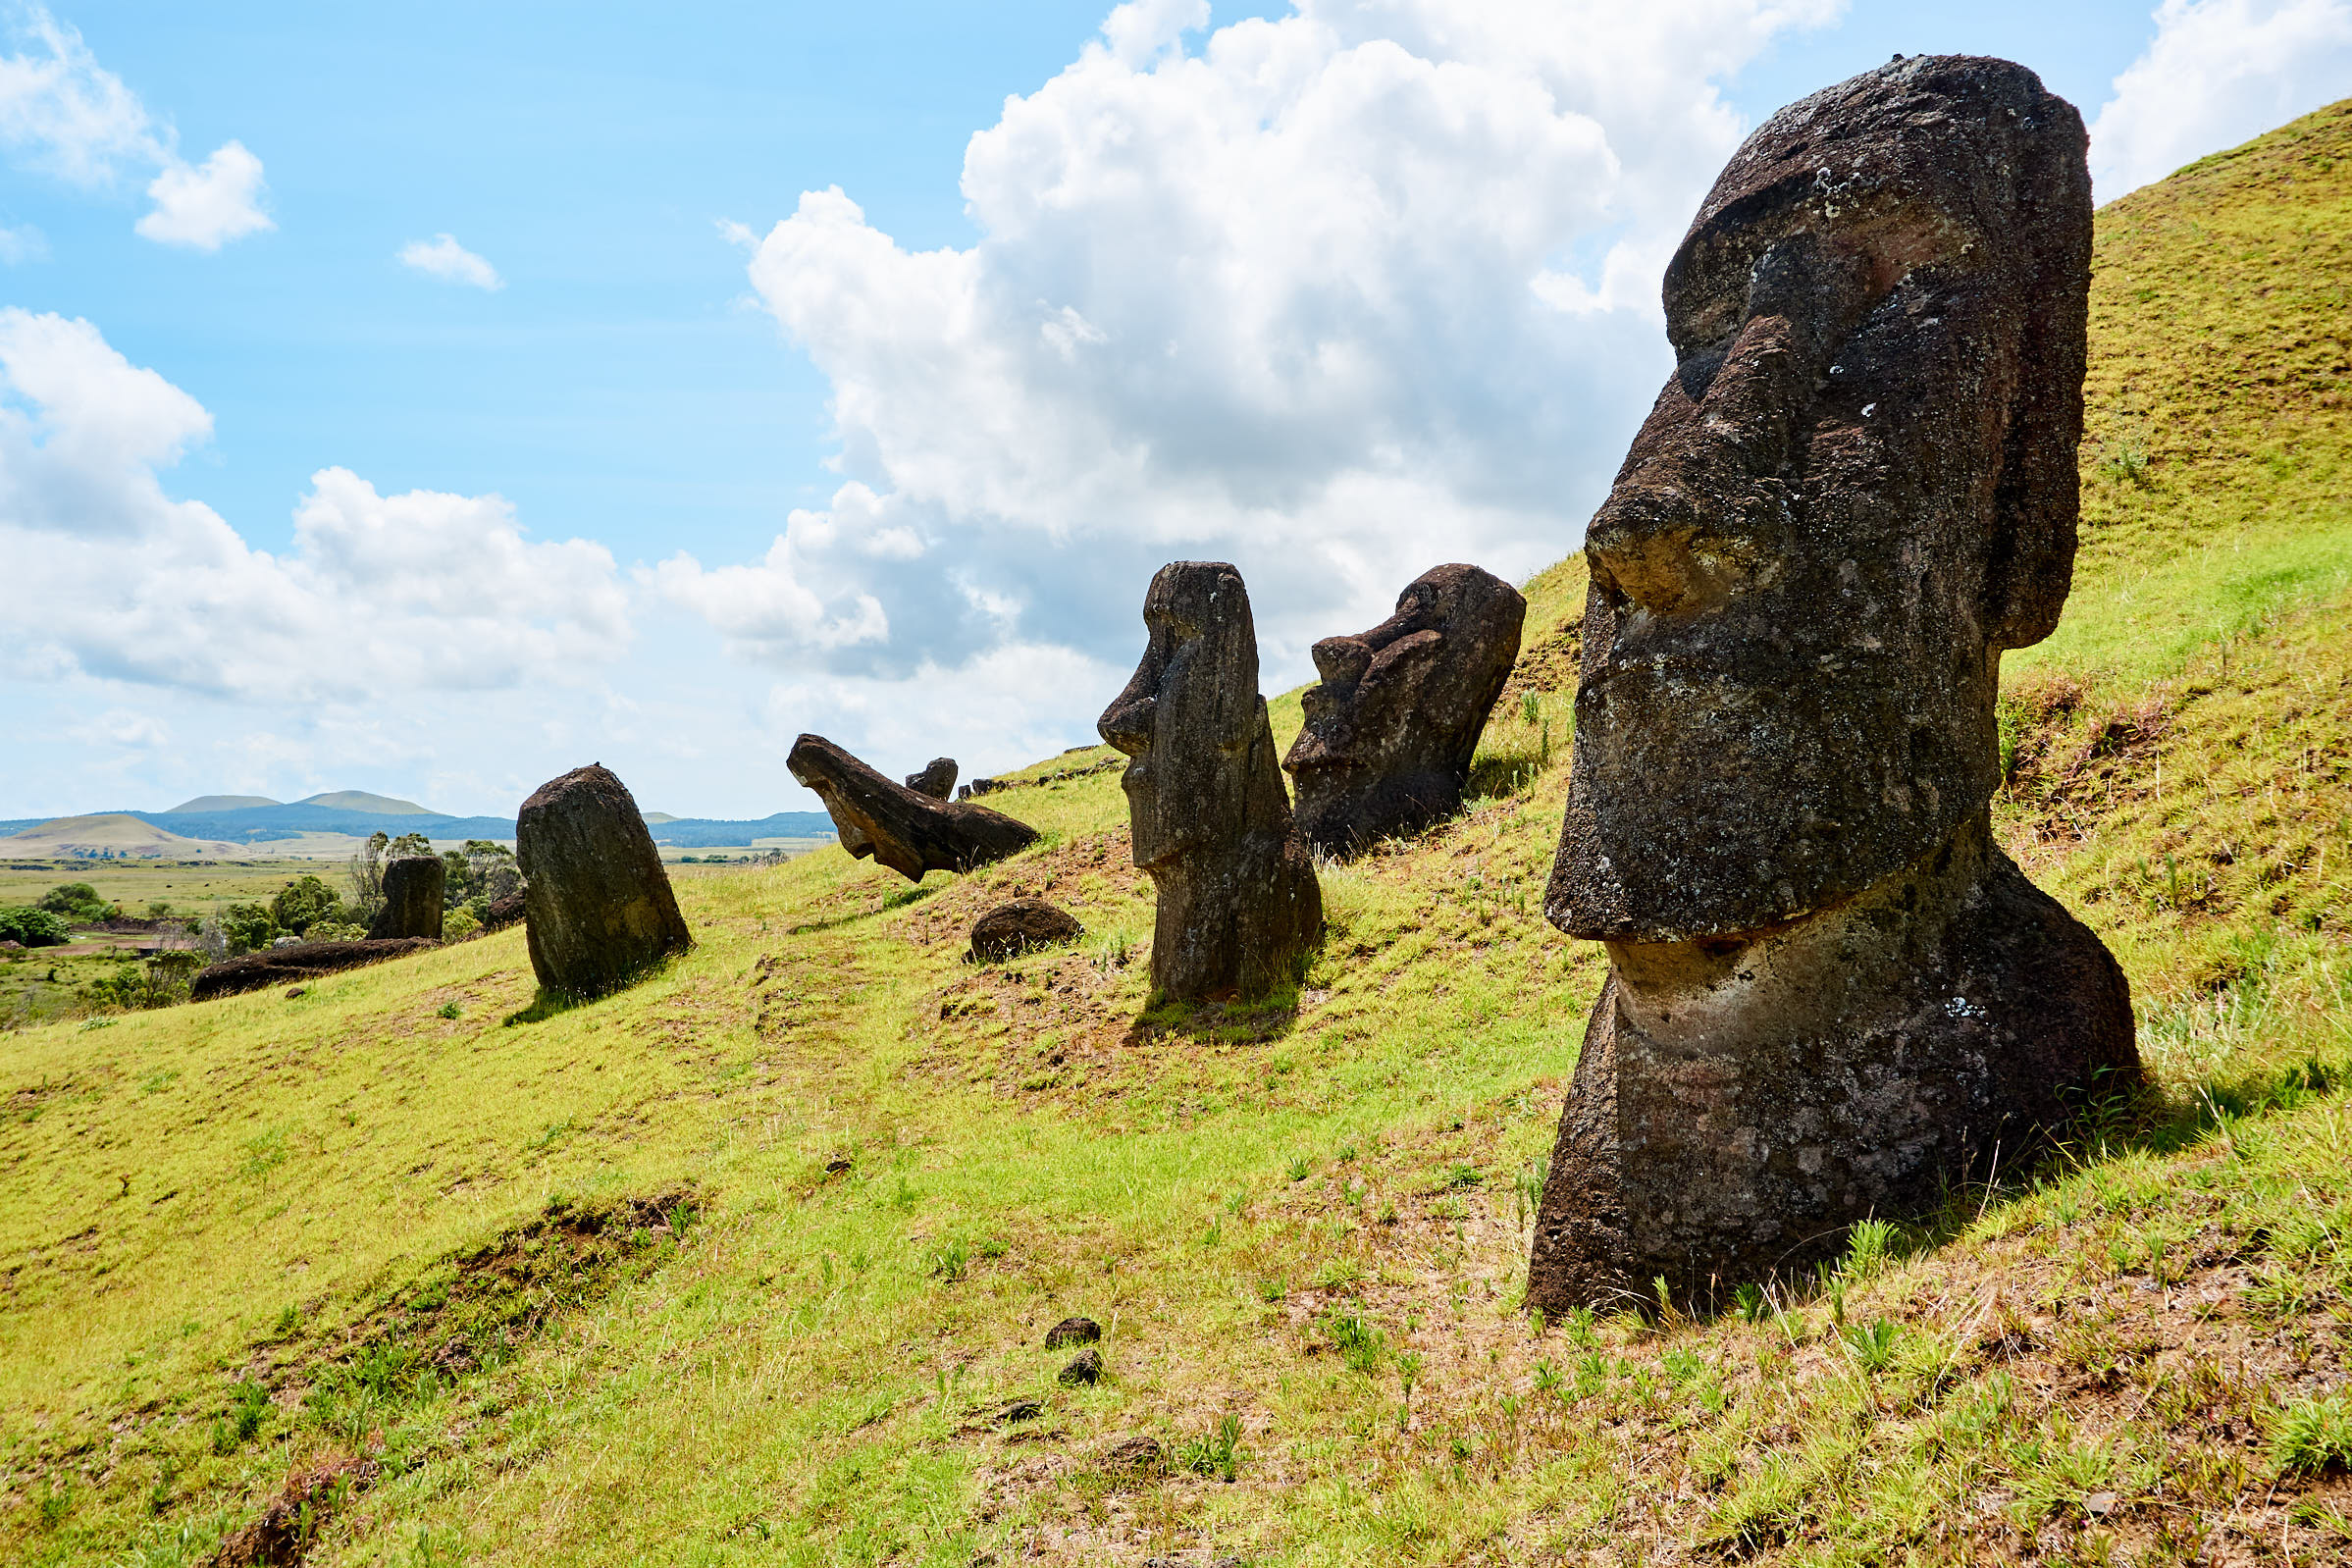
[(984, 388)]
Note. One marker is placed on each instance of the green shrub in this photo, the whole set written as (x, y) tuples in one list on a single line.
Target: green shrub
[(77, 901), (247, 926), (304, 903), (33, 927)]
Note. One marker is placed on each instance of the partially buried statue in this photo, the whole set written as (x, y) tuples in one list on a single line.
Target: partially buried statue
[(1391, 728), (1238, 904), (412, 899), (598, 905), (905, 829), (1830, 994)]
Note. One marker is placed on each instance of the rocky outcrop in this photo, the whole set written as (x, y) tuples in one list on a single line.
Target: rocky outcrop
[(598, 905), (937, 779), (412, 899), (1391, 727), (304, 960), (503, 912), (1238, 905), (1012, 929), (1830, 994), (909, 832)]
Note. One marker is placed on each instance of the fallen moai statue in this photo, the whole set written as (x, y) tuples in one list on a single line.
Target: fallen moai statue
[(304, 960), (937, 779), (909, 832), (1012, 929), (412, 899), (1238, 904), (1830, 995), (503, 912), (1392, 726), (598, 905)]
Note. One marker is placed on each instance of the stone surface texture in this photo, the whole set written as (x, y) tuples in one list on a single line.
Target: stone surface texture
[(1012, 929), (1238, 904), (1831, 995), (412, 895), (937, 779), (598, 905), (909, 832), (1393, 725), (258, 972)]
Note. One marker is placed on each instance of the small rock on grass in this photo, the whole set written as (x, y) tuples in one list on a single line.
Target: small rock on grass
[(1012, 929), (1072, 1332), (1084, 1367), (1020, 1410)]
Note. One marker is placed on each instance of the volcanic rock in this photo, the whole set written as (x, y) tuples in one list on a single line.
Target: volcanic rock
[(937, 779), (1392, 726), (273, 967), (412, 894), (1012, 929), (1072, 1332), (1830, 994), (1238, 905), (503, 912), (598, 905), (909, 832), (1084, 1367)]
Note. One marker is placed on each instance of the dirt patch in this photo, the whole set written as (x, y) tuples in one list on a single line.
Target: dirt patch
[(1550, 665), (287, 1528)]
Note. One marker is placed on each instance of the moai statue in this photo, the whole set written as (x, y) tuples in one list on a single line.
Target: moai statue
[(1238, 904), (1391, 728), (598, 905), (909, 830), (937, 779), (1830, 994), (412, 895)]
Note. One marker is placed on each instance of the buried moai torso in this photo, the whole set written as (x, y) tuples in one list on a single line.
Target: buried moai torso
[(1238, 898), (1830, 994), (1391, 727)]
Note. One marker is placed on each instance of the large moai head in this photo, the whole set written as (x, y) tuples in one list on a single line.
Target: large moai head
[(1392, 726), (1857, 489), (1238, 900)]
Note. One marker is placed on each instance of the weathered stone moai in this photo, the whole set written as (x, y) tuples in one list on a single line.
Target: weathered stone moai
[(598, 905), (1238, 904), (937, 779), (1391, 728), (412, 892), (904, 829), (1830, 994)]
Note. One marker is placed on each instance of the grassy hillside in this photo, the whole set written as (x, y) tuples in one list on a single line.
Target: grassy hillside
[(752, 1263), (112, 833)]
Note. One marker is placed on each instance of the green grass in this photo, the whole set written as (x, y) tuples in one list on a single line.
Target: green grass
[(752, 1263)]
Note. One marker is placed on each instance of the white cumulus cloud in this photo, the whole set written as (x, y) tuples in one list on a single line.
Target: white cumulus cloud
[(2219, 73), (22, 243), (206, 206), (444, 258), (114, 578), (1337, 296), (64, 115)]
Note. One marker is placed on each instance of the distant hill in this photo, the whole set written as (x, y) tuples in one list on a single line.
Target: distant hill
[(220, 802), (249, 827), (362, 800), (113, 833), (656, 818)]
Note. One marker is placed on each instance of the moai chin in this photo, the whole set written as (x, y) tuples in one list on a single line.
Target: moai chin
[(1830, 994), (1238, 903), (1391, 727)]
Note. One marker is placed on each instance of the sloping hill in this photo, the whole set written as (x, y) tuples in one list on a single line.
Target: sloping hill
[(117, 833), (221, 803), (362, 800), (753, 1263)]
